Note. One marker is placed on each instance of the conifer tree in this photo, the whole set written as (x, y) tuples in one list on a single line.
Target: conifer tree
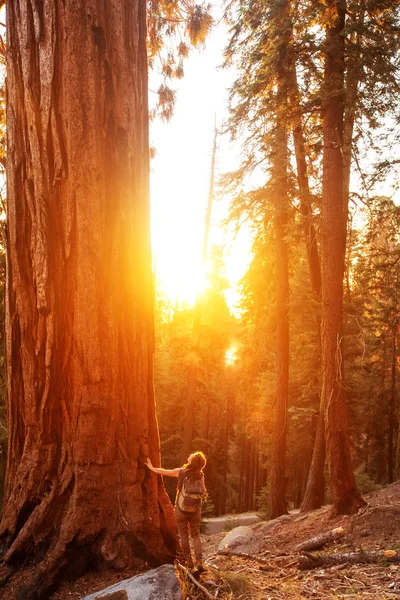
[(261, 36), (345, 495)]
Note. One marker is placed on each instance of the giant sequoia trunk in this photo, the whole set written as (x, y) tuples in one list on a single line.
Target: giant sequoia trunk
[(345, 495), (79, 319)]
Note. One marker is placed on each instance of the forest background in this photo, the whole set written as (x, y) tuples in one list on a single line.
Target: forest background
[(218, 370), (235, 356)]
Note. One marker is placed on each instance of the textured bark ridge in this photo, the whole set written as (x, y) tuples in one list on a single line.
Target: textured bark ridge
[(79, 290)]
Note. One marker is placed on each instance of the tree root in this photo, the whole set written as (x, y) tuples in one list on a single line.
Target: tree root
[(31, 526)]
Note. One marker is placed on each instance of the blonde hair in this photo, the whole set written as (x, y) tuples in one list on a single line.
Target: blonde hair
[(196, 463)]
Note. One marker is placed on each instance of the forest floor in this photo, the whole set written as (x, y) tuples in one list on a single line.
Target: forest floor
[(274, 574)]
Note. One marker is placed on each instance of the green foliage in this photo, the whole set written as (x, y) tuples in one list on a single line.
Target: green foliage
[(173, 28), (263, 504), (257, 49), (372, 310), (364, 482)]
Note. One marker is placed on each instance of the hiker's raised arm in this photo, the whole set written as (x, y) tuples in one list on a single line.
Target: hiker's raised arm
[(160, 471)]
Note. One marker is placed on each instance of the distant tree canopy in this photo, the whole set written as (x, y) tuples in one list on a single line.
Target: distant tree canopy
[(313, 69)]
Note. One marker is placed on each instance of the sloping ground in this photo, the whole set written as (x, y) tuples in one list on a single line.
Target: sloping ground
[(273, 574)]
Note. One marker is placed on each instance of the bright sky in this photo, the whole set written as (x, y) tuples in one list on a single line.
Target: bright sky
[(180, 176)]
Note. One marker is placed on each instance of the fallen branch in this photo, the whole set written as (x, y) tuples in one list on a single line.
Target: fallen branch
[(321, 540), (188, 574), (313, 561)]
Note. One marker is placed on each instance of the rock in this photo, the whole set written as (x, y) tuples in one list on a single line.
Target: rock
[(270, 525), (241, 540), (237, 537), (157, 584)]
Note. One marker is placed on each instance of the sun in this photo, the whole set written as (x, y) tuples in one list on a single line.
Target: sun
[(179, 266), (180, 276)]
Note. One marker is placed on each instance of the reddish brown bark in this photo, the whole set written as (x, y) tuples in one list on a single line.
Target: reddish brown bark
[(281, 203), (314, 494), (79, 319), (315, 489), (242, 476), (250, 475), (392, 406), (345, 495), (310, 234)]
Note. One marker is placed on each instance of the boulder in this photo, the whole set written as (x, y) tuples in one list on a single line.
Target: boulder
[(157, 584), (240, 540)]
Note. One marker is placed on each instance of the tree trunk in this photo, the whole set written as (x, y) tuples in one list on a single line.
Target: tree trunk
[(281, 202), (392, 406), (345, 495), (397, 469), (310, 234), (315, 489), (226, 437), (242, 476), (79, 321), (250, 478)]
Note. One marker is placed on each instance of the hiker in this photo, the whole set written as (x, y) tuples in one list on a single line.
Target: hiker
[(190, 490)]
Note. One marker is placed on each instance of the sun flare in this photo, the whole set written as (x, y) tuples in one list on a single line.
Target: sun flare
[(231, 355), (180, 281)]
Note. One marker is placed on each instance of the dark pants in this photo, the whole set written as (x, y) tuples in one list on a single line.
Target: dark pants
[(189, 523)]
